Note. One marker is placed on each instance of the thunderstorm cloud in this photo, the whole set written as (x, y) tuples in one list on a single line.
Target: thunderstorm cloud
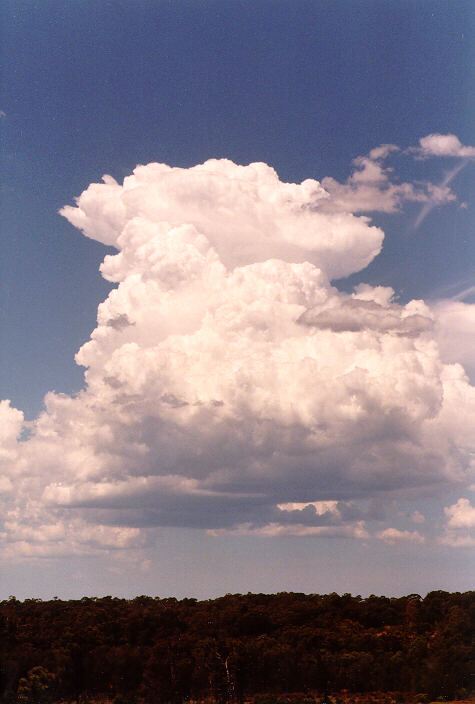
[(229, 386)]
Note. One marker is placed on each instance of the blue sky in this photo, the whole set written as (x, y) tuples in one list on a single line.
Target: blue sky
[(93, 88)]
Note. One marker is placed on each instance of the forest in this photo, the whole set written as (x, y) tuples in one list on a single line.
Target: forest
[(256, 648)]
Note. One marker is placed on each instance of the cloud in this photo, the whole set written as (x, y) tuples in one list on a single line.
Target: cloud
[(276, 220), (441, 194), (320, 507), (440, 145), (275, 530), (461, 514), (65, 537), (354, 315), (455, 332), (464, 293), (459, 531), (343, 529), (444, 145), (229, 385), (417, 517), (372, 188), (11, 424), (121, 321), (393, 535)]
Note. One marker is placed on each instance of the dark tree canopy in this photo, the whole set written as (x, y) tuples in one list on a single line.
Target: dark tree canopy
[(233, 648)]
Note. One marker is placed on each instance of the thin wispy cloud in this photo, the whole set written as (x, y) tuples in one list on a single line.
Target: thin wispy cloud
[(465, 293), (428, 207)]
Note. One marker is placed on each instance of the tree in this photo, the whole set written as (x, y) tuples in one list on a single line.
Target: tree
[(36, 686)]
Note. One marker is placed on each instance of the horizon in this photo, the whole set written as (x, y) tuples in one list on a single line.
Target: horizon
[(12, 597)]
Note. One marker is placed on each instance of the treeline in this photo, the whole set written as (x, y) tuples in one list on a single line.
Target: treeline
[(233, 648)]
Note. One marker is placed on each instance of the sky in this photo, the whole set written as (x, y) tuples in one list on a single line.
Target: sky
[(237, 303)]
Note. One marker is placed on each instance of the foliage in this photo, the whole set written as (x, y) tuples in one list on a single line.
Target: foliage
[(239, 648), (36, 687)]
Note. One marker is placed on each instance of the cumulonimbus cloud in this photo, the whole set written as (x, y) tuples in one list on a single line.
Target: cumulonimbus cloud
[(228, 380)]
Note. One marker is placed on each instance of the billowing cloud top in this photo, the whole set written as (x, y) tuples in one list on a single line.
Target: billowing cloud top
[(245, 212), (229, 385)]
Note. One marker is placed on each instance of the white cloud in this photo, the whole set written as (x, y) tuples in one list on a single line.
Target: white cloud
[(458, 540), (229, 386), (444, 145), (460, 526), (11, 426), (440, 194), (32, 533), (320, 507), (276, 220), (461, 514), (372, 188), (393, 535), (455, 332), (276, 530), (383, 151), (11, 423)]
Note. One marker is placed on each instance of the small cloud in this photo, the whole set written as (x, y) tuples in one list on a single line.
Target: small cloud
[(460, 524), (276, 530), (444, 145), (2, 114), (418, 517), (110, 180), (321, 507), (383, 151), (372, 187), (393, 535), (461, 514), (456, 540)]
